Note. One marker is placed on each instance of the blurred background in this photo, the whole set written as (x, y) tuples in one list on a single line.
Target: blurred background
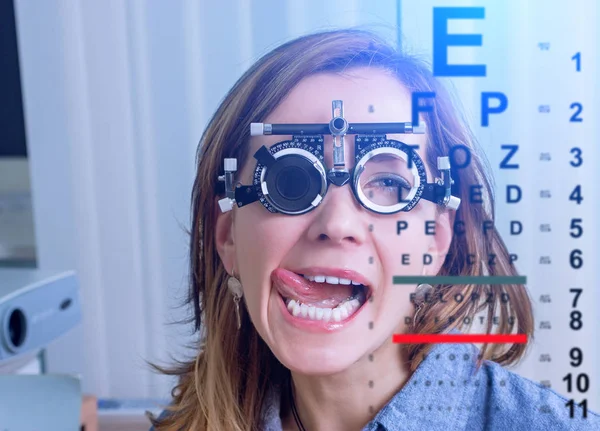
[(104, 104)]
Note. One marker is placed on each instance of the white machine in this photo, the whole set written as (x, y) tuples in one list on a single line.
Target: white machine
[(36, 307)]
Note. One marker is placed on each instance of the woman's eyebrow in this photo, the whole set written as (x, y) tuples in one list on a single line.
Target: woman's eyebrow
[(382, 157), (387, 158)]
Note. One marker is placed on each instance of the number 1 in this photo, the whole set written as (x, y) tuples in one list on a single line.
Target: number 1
[(577, 58)]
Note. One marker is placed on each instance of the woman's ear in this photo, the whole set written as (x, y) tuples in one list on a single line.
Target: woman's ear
[(442, 239), (224, 238)]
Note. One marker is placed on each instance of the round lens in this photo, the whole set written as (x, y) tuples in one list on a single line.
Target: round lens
[(295, 183), (386, 180), (292, 183)]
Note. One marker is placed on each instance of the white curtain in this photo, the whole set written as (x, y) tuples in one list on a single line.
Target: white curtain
[(527, 47), (116, 95)]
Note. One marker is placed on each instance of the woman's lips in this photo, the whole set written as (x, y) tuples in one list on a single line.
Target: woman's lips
[(291, 285)]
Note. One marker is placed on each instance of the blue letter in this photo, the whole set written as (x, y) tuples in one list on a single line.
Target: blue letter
[(467, 158), (401, 225), (485, 107), (442, 40), (430, 227), (512, 230), (409, 153), (509, 198), (416, 108), (475, 192), (487, 225), (513, 149), (459, 224)]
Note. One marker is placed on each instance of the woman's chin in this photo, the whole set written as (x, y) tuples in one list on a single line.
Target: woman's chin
[(312, 363), (316, 359)]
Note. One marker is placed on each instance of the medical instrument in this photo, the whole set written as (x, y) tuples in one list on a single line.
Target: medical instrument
[(290, 177)]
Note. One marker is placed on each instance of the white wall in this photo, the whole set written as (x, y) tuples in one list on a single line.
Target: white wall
[(116, 95)]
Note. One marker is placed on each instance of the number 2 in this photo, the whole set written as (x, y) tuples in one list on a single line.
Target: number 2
[(578, 108)]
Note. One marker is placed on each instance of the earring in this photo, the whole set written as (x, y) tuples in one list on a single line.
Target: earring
[(235, 287), (422, 290)]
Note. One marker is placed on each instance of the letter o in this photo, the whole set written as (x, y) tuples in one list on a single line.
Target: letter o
[(453, 160)]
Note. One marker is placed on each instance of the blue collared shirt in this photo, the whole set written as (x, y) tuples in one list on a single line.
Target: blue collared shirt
[(444, 394)]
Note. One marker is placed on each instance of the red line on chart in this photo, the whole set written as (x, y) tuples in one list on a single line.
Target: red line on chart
[(459, 338)]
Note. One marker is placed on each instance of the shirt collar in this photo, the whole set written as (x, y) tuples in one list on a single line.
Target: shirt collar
[(438, 393)]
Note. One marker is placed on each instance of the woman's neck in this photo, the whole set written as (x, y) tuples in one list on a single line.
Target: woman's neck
[(347, 400)]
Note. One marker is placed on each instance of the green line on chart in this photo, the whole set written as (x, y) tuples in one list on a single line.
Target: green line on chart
[(460, 279)]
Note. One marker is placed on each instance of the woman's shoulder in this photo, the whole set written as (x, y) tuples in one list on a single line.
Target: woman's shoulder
[(507, 399)]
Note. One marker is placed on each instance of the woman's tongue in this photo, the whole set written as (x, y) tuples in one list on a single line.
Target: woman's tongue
[(294, 286)]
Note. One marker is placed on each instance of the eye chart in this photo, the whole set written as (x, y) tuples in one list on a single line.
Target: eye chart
[(526, 72)]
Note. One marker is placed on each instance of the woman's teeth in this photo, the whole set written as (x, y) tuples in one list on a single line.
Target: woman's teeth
[(337, 314), (341, 312), (330, 279)]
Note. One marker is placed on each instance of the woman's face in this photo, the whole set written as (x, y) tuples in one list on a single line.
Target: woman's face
[(339, 234)]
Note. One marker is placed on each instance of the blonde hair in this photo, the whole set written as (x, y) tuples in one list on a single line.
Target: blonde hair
[(224, 386)]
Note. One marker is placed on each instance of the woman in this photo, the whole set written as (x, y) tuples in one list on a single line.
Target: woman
[(267, 363)]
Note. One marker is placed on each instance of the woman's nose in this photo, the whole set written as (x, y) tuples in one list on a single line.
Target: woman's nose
[(339, 218)]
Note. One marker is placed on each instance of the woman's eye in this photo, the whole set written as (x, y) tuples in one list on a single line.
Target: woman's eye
[(389, 182)]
